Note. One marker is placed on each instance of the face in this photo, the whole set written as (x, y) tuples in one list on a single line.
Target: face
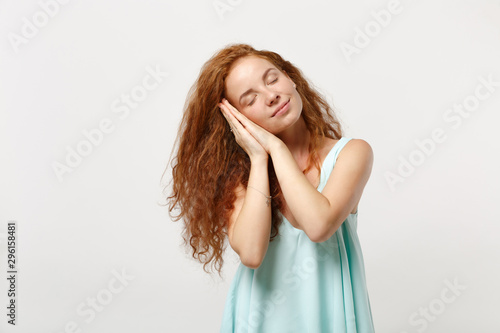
[(263, 93)]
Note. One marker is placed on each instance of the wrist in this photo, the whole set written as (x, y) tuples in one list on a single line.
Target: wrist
[(275, 146), (259, 159)]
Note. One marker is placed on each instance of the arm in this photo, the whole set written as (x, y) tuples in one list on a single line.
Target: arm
[(249, 226), (318, 214), (321, 214)]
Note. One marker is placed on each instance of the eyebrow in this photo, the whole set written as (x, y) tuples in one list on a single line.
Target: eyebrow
[(250, 90)]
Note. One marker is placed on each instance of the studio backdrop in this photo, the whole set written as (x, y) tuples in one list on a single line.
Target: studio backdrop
[(91, 97)]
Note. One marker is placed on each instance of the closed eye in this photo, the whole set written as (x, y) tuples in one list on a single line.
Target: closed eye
[(253, 100)]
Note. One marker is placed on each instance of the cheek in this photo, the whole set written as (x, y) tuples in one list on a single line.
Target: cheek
[(254, 118), (258, 119), (298, 102), (255, 114)]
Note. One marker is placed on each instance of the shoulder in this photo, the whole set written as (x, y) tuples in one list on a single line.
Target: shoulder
[(358, 147), (351, 171), (356, 153), (354, 149)]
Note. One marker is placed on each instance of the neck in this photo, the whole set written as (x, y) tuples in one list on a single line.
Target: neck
[(297, 139)]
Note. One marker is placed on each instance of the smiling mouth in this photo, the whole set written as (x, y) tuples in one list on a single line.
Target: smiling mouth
[(281, 108)]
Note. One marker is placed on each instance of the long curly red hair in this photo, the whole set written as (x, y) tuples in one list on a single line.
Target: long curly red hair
[(208, 164)]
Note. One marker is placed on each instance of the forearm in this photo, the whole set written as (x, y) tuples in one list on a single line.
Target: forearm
[(253, 226), (307, 205)]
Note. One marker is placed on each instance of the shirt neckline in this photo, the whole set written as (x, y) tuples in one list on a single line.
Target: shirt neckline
[(320, 180)]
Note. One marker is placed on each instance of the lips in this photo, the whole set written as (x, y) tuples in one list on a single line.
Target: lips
[(280, 107)]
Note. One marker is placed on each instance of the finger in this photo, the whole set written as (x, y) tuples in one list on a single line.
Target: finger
[(237, 114), (240, 121), (234, 124), (249, 125), (231, 107), (225, 114)]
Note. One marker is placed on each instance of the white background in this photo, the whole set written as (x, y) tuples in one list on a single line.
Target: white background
[(441, 223)]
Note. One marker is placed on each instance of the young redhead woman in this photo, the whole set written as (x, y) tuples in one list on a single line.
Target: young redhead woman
[(262, 161)]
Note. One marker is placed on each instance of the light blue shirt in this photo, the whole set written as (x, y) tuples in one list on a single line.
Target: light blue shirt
[(302, 286)]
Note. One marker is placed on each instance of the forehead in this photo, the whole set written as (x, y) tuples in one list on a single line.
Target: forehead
[(246, 69)]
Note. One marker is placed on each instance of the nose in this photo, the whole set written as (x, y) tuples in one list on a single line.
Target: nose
[(272, 98)]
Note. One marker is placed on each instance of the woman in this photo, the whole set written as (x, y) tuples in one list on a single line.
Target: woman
[(255, 164)]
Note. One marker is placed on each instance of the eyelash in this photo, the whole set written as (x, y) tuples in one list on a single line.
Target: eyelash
[(250, 104)]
